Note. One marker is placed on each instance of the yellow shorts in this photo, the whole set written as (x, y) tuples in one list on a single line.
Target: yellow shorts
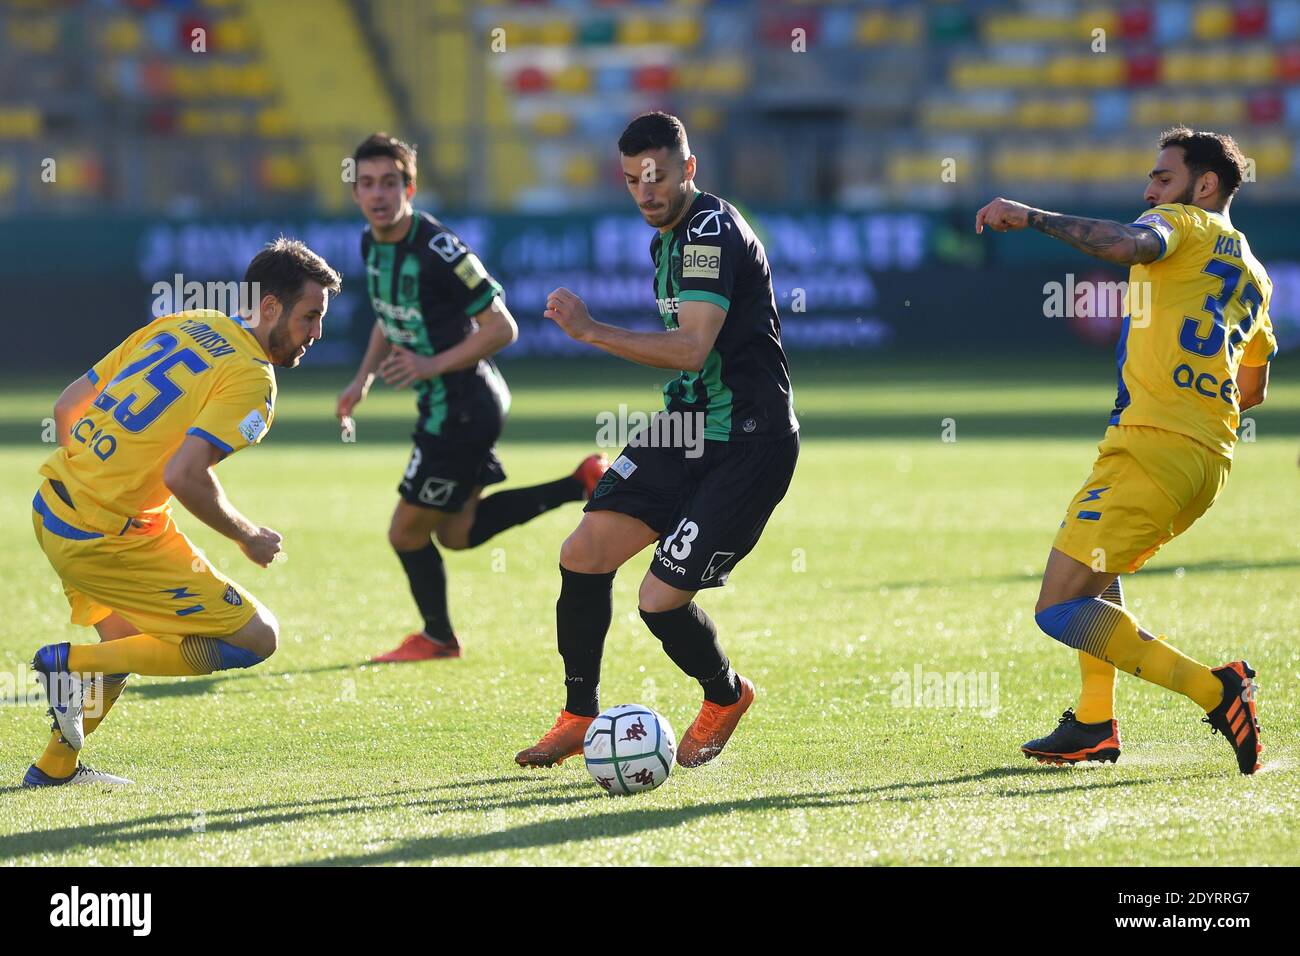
[(1147, 487), (155, 578)]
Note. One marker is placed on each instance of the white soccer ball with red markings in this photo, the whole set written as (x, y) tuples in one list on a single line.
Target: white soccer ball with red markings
[(629, 748)]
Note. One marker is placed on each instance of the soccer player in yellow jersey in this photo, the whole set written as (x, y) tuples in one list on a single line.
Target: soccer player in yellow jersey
[(1192, 354), (148, 422)]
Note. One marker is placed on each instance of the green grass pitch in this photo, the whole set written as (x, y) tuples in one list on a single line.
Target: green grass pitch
[(894, 551)]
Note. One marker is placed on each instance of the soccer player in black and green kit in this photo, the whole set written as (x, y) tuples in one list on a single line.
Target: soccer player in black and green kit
[(440, 318), (723, 337)]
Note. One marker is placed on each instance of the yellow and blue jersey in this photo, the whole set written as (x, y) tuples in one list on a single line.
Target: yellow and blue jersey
[(193, 373), (1192, 318)]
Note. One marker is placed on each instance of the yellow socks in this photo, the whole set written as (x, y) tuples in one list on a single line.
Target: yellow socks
[(60, 760), (1157, 662), (1097, 696), (144, 654), (1100, 627)]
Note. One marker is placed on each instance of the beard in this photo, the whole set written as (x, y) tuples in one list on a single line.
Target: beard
[(674, 210), (284, 352), (1186, 198)]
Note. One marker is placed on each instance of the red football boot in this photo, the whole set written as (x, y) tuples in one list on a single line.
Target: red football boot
[(589, 471), (419, 647)]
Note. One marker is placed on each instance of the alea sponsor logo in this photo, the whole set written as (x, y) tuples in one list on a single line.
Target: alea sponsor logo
[(73, 909)]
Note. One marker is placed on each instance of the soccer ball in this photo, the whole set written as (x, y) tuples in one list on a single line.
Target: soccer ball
[(629, 748)]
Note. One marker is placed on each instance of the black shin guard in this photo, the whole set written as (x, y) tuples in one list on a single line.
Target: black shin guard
[(428, 583), (505, 509), (582, 617), (691, 641)]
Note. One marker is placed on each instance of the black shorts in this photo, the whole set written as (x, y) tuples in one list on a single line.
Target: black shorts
[(442, 473), (709, 511)]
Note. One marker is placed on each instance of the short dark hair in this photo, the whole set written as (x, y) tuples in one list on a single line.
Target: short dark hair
[(653, 131), (1207, 152), (284, 266), (381, 144)]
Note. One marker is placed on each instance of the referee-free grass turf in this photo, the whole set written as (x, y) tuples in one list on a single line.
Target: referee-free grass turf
[(898, 562)]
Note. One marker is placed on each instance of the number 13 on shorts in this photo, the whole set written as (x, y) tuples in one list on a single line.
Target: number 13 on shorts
[(678, 544)]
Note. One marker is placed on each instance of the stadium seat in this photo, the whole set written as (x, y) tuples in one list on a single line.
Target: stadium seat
[(1212, 21), (20, 122)]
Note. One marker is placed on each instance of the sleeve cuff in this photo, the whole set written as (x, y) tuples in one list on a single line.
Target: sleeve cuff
[(481, 303), (698, 295), (94, 378), (1163, 246), (211, 438)]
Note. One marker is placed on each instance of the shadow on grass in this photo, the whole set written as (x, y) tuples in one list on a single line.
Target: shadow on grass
[(146, 688), (630, 818), (637, 820)]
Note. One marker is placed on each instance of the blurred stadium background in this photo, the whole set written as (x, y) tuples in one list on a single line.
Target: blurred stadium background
[(140, 139)]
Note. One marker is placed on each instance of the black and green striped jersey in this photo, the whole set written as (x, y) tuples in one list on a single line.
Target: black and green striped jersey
[(425, 290), (712, 255)]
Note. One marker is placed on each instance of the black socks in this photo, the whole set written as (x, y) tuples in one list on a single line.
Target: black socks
[(428, 583), (691, 641), (582, 617), (505, 509)]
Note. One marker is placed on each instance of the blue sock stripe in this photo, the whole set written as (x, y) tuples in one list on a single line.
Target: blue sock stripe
[(209, 654), (201, 654), (1084, 624), (1114, 593)]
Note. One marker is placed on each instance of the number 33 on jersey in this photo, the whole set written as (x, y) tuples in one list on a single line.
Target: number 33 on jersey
[(1194, 316)]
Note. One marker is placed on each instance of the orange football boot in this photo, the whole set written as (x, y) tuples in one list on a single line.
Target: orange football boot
[(713, 727), (562, 741), (419, 647), (589, 471)]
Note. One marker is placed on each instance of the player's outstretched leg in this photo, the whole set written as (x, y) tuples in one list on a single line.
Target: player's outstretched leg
[(106, 666), (506, 509), (170, 656), (691, 641), (1110, 633)]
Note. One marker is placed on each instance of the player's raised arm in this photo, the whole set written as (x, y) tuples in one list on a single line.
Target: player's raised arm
[(189, 476), (685, 348), (1103, 239)]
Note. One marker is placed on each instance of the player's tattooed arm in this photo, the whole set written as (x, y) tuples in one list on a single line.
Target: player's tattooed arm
[(1114, 242)]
